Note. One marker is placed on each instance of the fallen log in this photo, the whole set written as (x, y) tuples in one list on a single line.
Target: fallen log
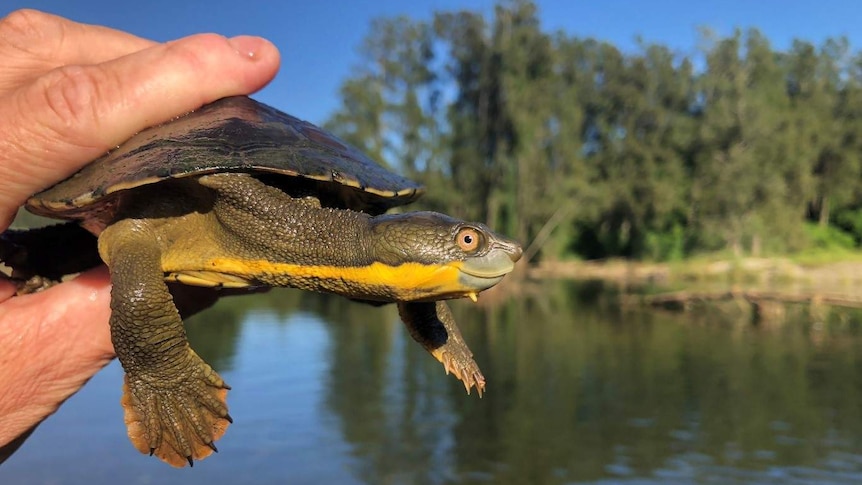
[(683, 299)]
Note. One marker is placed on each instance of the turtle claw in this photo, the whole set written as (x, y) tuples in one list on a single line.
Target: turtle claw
[(177, 423), (433, 326), (458, 361)]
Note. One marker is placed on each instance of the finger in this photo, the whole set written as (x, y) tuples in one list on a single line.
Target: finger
[(71, 115), (52, 341), (7, 289), (32, 43)]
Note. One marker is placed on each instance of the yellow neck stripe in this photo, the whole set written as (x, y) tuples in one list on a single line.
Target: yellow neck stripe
[(407, 280)]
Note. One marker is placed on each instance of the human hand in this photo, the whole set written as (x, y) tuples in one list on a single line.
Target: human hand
[(68, 93)]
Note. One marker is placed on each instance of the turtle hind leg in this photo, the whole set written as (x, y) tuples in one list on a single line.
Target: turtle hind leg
[(174, 402), (180, 423), (433, 326)]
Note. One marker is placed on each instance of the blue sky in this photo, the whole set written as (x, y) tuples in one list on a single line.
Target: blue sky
[(319, 39)]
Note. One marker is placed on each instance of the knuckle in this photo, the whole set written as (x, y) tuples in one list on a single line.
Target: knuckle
[(197, 51), (71, 95), (30, 30), (24, 21)]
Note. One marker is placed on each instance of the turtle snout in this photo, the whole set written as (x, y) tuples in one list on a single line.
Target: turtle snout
[(516, 252), (508, 246)]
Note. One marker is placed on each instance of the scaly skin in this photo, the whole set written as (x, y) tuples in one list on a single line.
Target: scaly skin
[(233, 230), (303, 220), (433, 326), (174, 402)]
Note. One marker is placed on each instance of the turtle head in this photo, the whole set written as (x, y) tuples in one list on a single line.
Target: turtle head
[(453, 258)]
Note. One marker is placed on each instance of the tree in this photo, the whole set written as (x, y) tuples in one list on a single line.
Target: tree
[(588, 150), (390, 106), (744, 161)]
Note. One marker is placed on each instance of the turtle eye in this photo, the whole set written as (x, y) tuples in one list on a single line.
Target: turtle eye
[(468, 239)]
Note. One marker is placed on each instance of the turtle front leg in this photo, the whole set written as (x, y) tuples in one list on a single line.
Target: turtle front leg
[(174, 402), (433, 326)]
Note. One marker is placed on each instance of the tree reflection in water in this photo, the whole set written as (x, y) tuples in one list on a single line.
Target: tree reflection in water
[(579, 389)]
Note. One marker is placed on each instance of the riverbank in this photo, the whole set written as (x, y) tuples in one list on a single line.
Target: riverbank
[(740, 271), (762, 287)]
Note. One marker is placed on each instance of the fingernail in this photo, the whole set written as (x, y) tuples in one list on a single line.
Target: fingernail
[(248, 46)]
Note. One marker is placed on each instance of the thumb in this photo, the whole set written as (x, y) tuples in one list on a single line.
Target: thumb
[(69, 116)]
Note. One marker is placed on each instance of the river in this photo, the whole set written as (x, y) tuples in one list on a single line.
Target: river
[(580, 390)]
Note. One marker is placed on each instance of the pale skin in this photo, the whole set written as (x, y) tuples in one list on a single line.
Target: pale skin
[(68, 93)]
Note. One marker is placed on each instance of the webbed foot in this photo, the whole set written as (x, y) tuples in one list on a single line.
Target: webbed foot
[(177, 421), (433, 326)]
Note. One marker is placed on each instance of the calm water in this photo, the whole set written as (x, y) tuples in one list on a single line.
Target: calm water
[(580, 391)]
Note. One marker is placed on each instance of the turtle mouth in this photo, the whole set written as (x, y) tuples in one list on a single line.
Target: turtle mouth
[(483, 272)]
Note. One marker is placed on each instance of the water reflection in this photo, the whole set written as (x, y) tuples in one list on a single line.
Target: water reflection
[(580, 389)]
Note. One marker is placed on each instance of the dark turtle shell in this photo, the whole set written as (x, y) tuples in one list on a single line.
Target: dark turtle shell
[(236, 134)]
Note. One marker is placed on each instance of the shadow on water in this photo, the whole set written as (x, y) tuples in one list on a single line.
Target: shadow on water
[(580, 389)]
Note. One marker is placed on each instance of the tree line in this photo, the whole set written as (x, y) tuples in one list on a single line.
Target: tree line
[(582, 150)]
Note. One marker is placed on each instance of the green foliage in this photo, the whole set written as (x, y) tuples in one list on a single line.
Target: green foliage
[(666, 245), (596, 153), (850, 220), (829, 238)]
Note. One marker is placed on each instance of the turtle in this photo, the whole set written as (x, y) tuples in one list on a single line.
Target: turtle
[(238, 194)]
